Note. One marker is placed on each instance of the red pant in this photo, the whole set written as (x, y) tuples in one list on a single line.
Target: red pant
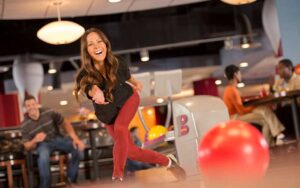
[(124, 146)]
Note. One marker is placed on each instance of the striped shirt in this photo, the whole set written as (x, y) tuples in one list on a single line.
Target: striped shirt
[(49, 122)]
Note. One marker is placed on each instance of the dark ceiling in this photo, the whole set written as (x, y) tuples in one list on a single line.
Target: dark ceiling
[(139, 29)]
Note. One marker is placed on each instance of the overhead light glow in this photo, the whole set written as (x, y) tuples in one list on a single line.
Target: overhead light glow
[(240, 85), (114, 1), (63, 103), (245, 42), (244, 64), (4, 68), (50, 88), (238, 2), (218, 82), (149, 112), (52, 71), (245, 46), (160, 100), (144, 55), (189, 104)]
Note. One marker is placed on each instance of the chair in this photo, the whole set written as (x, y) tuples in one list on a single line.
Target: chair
[(56, 157), (14, 159)]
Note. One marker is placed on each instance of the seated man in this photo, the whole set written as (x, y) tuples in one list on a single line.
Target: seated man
[(271, 126), (288, 81), (40, 132)]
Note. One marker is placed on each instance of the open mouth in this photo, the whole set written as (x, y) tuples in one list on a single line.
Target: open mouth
[(99, 52)]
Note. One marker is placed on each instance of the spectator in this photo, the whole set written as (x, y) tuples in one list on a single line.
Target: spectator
[(40, 132), (262, 115)]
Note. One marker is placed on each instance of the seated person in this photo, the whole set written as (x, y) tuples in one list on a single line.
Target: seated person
[(131, 165), (262, 115), (40, 132), (288, 81)]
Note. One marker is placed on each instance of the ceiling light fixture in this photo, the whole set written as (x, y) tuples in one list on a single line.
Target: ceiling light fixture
[(238, 2), (114, 1), (245, 42), (144, 55), (244, 64), (251, 45), (3, 69), (60, 32), (52, 69)]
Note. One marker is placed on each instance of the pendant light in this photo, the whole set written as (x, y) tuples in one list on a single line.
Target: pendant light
[(61, 31), (238, 2)]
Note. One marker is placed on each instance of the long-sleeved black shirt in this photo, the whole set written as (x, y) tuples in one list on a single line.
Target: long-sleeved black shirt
[(107, 113)]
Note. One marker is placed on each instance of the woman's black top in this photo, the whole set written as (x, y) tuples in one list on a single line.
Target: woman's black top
[(107, 113)]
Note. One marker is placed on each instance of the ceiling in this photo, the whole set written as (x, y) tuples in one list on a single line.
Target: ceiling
[(159, 23), (41, 9)]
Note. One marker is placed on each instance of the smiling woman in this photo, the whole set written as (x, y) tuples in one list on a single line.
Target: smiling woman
[(106, 80)]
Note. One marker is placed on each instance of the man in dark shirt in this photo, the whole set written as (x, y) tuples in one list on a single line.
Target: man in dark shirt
[(40, 132)]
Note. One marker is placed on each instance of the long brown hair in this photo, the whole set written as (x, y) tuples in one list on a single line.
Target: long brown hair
[(93, 76)]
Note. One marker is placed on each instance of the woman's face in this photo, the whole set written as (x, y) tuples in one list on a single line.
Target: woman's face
[(96, 47)]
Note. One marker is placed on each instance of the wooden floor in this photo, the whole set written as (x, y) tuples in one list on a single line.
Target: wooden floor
[(283, 172)]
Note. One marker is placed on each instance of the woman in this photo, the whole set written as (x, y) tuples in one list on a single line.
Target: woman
[(106, 80)]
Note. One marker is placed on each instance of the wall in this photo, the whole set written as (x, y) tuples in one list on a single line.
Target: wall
[(289, 24)]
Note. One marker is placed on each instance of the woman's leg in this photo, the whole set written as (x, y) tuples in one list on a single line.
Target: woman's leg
[(120, 133), (144, 155), (124, 145), (110, 129)]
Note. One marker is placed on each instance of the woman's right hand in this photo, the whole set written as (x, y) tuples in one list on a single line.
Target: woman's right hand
[(97, 95)]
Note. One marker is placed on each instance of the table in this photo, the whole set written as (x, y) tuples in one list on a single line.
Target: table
[(92, 130), (277, 98)]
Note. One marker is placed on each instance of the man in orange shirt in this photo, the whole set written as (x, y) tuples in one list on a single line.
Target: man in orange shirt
[(262, 115)]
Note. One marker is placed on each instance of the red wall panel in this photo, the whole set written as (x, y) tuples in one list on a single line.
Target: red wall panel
[(9, 110), (206, 87)]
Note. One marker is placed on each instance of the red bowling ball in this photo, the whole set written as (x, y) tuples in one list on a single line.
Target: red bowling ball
[(233, 151)]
